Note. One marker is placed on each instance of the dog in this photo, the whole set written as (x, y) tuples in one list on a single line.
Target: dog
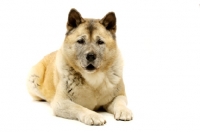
[(85, 74)]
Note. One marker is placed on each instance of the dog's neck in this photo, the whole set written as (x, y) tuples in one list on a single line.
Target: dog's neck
[(94, 79)]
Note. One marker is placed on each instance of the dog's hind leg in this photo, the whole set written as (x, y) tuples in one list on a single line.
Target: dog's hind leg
[(35, 80)]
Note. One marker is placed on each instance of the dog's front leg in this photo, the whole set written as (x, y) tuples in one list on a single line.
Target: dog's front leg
[(70, 110), (64, 107), (119, 109)]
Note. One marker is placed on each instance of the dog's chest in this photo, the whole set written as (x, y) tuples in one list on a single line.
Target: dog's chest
[(91, 92)]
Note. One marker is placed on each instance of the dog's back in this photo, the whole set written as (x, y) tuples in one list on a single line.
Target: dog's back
[(42, 78)]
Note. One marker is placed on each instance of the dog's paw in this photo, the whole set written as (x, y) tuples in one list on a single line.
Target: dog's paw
[(93, 118), (123, 113)]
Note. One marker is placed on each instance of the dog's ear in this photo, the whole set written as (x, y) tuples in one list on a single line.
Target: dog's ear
[(109, 21), (74, 19)]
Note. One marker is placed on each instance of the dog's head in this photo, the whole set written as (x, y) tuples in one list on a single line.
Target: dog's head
[(90, 44)]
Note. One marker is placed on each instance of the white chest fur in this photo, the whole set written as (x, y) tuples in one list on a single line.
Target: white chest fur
[(99, 89), (94, 79)]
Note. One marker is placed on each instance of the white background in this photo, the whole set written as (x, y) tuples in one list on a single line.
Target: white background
[(160, 43)]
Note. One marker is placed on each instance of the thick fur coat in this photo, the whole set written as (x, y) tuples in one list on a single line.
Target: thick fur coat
[(84, 74)]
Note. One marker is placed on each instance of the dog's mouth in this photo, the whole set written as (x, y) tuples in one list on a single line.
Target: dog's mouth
[(90, 67)]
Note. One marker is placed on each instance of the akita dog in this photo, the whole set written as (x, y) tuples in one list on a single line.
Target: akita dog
[(84, 74)]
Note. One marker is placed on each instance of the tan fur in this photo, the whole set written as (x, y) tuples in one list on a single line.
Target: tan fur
[(72, 91)]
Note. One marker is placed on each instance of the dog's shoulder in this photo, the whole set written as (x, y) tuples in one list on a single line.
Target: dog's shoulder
[(49, 58)]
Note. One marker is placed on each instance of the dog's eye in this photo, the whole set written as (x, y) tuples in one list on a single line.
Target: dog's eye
[(100, 42), (81, 41)]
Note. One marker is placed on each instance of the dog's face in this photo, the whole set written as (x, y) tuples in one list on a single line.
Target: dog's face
[(90, 43)]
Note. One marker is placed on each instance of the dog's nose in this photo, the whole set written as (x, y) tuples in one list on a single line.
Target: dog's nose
[(91, 57)]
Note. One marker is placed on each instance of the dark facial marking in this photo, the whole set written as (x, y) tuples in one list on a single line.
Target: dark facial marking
[(91, 26)]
